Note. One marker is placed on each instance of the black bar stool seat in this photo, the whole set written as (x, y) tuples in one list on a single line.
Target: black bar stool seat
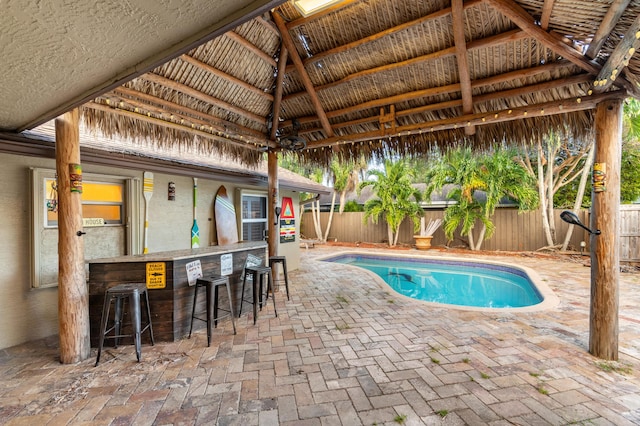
[(212, 284), (132, 292), (282, 260), (257, 273)]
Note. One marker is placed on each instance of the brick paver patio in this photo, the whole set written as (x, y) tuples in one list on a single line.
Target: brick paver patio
[(347, 350)]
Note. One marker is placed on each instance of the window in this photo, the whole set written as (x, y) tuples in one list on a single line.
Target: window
[(254, 216), (100, 200)]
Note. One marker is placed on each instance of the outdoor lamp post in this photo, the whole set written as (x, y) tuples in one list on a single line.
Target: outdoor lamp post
[(572, 218)]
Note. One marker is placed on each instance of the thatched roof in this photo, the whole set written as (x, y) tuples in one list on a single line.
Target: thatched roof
[(385, 77)]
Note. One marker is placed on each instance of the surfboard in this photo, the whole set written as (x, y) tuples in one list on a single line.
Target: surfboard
[(225, 215)]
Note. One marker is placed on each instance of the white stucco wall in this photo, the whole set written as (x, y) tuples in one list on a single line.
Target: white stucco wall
[(28, 313)]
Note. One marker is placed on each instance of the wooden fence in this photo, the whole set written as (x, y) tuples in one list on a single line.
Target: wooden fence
[(513, 231)]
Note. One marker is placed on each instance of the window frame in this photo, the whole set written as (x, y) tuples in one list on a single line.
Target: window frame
[(243, 220)]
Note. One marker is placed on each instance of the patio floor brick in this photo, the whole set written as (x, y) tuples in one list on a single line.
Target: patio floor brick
[(348, 350)]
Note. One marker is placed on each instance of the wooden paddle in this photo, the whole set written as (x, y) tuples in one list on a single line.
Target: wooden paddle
[(147, 190), (195, 231)]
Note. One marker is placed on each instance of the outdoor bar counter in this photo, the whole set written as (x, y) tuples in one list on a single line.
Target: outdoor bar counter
[(170, 296)]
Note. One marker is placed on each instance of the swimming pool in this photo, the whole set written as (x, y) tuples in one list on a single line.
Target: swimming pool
[(448, 281)]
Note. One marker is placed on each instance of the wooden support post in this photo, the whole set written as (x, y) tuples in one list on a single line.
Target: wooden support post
[(605, 248), (274, 197), (73, 298)]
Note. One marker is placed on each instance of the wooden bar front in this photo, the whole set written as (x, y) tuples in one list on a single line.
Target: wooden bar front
[(172, 303)]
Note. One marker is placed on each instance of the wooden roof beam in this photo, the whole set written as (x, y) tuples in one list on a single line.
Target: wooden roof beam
[(457, 17), (451, 88), (522, 19), (532, 88), (223, 75), (547, 8), (386, 33), (619, 59), (288, 43), (168, 124), (218, 103), (608, 23), (161, 106), (479, 119), (251, 47), (277, 98), (508, 36)]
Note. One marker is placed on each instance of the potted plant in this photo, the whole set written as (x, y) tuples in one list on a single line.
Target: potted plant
[(423, 240)]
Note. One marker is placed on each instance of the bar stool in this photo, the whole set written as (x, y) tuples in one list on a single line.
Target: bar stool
[(133, 292), (257, 273), (212, 284), (283, 260)]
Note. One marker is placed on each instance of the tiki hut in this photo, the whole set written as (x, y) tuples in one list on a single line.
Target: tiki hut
[(376, 78)]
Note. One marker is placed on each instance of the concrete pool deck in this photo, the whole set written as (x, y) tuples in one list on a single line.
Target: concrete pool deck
[(346, 351)]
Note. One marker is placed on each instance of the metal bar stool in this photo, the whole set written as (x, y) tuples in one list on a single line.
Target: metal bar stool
[(212, 284), (283, 260), (119, 293), (257, 273)]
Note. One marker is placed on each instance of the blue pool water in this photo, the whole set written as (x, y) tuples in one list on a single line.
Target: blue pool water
[(450, 282)]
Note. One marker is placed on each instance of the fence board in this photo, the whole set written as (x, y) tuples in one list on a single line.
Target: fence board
[(514, 231)]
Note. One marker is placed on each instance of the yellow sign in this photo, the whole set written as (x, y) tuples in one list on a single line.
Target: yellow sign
[(156, 275)]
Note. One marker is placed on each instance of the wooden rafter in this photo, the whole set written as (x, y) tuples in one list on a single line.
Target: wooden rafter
[(169, 124), (288, 43), (251, 47), (159, 106), (522, 19), (442, 90), (457, 17), (547, 8), (505, 94), (478, 119), (223, 75), (609, 21), (383, 34), (496, 40), (619, 58), (277, 97), (183, 88)]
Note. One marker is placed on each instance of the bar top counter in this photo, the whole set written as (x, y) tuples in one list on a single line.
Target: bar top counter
[(190, 253), (166, 275)]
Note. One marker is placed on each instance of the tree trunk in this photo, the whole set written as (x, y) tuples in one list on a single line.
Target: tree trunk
[(315, 213), (333, 206), (483, 231), (605, 248), (581, 187), (390, 235), (73, 297), (472, 245), (542, 193)]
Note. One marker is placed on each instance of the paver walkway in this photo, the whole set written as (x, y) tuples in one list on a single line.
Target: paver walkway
[(346, 350)]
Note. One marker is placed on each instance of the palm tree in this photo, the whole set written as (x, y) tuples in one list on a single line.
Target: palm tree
[(496, 174), (396, 197)]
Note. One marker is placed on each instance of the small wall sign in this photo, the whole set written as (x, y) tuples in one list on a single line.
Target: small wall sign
[(89, 222), (156, 275), (226, 264), (194, 271)]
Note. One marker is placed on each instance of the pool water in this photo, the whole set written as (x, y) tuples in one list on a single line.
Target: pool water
[(450, 282)]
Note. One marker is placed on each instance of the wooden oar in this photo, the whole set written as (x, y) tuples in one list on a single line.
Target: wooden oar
[(147, 190), (195, 231)]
